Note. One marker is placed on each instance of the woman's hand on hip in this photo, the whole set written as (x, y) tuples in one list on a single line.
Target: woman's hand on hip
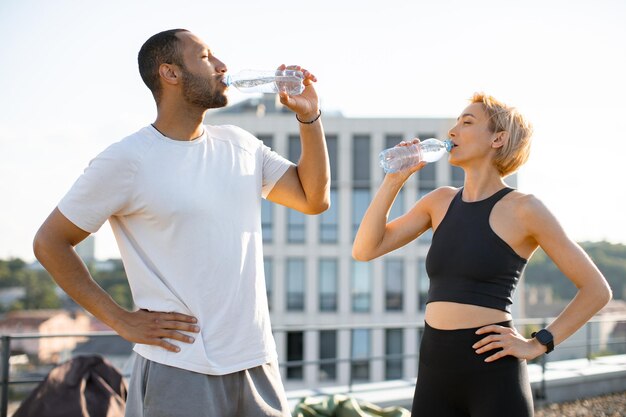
[(509, 341)]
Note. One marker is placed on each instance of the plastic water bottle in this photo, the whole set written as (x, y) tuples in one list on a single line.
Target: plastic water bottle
[(267, 81), (400, 158)]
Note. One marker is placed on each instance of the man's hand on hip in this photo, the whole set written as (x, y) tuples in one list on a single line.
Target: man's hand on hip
[(157, 328)]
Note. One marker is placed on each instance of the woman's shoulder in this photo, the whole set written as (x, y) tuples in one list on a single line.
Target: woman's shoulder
[(525, 205), (443, 192), (441, 196), (523, 199)]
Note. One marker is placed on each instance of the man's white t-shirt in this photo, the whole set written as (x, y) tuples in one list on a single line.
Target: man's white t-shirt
[(187, 219)]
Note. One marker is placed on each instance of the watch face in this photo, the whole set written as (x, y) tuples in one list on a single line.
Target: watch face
[(544, 336)]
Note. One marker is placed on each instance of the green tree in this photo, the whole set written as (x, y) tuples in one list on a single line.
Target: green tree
[(610, 259), (115, 283), (8, 270), (40, 291)]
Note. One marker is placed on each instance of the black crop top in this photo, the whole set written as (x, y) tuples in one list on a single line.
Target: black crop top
[(467, 262)]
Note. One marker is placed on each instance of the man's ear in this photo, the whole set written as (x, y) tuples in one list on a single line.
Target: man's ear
[(169, 73), (500, 139)]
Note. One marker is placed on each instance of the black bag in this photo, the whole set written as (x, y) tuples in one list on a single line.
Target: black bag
[(85, 386)]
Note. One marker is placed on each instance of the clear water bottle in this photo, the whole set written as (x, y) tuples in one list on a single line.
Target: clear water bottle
[(267, 81), (400, 158)]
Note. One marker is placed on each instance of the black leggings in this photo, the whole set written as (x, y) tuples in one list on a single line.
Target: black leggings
[(454, 381)]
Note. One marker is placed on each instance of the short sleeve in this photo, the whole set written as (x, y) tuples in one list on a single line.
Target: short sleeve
[(274, 167), (103, 190)]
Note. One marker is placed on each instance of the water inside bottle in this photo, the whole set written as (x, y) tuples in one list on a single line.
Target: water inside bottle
[(252, 83), (433, 150), (398, 158), (432, 155), (291, 85), (288, 81)]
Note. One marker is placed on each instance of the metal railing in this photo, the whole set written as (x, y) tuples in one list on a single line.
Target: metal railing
[(524, 326)]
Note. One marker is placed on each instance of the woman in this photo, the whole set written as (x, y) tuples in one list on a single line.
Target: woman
[(472, 359)]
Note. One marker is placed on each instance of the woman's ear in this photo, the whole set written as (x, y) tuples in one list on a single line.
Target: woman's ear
[(169, 73), (500, 139)]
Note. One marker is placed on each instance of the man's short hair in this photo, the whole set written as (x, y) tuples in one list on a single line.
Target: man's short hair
[(162, 48)]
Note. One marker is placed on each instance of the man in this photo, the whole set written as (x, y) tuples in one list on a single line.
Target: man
[(183, 200)]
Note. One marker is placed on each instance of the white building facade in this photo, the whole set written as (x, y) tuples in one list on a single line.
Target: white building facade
[(357, 310)]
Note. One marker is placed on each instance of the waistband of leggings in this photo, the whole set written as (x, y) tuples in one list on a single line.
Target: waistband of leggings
[(461, 333)]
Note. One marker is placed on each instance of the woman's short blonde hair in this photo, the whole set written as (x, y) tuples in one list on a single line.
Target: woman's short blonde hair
[(516, 150)]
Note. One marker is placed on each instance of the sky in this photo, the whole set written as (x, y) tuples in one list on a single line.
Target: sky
[(70, 86)]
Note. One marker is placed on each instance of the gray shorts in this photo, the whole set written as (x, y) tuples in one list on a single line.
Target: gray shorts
[(157, 390)]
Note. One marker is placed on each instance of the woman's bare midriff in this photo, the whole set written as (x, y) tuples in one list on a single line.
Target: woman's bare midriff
[(445, 315)]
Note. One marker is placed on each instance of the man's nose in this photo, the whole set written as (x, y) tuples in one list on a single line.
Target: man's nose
[(220, 66)]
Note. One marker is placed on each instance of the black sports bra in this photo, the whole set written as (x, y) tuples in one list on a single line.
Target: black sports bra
[(467, 262)]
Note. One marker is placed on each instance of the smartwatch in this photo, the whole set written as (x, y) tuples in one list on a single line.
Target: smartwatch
[(545, 338)]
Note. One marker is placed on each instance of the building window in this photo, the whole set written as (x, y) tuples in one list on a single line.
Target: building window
[(295, 284), (267, 207), (267, 229), (296, 226), (427, 180), (296, 221), (397, 208), (360, 366), (268, 269), (458, 176), (392, 140), (333, 158), (361, 155), (361, 287), (360, 202), (422, 284), (328, 351), (426, 237), (394, 341), (267, 139), (329, 220), (295, 353), (394, 284), (328, 284), (294, 148)]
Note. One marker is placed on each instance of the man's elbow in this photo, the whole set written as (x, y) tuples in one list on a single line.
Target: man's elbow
[(319, 207), (40, 244)]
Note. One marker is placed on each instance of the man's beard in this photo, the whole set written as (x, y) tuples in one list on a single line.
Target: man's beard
[(199, 92)]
